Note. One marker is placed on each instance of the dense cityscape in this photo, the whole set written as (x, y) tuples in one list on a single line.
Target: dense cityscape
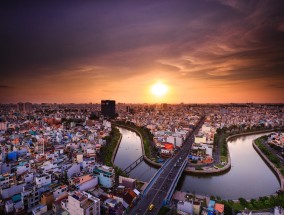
[(59, 158), (157, 107)]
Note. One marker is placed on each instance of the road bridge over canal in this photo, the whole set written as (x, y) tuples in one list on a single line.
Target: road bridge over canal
[(161, 187)]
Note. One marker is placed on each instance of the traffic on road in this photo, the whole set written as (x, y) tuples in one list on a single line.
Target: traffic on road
[(160, 186)]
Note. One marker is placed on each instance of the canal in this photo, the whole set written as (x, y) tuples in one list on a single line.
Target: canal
[(130, 150), (249, 176)]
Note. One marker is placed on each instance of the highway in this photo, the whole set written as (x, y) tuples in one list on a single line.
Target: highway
[(159, 188)]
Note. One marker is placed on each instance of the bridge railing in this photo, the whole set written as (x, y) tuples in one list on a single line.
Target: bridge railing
[(133, 165), (152, 180), (173, 185)]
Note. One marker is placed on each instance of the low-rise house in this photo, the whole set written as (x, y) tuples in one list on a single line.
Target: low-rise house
[(12, 189), (106, 176), (72, 169), (23, 167), (82, 203), (9, 206), (219, 209), (200, 138), (39, 210), (7, 179), (60, 192), (43, 180), (84, 182), (28, 177), (31, 196), (185, 207)]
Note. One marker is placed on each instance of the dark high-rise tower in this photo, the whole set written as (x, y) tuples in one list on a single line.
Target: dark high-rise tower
[(25, 107), (108, 108)]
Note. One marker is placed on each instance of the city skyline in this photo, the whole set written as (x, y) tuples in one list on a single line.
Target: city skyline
[(214, 51)]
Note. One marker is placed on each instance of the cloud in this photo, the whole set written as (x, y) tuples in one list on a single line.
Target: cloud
[(5, 87), (72, 46), (277, 85), (239, 49)]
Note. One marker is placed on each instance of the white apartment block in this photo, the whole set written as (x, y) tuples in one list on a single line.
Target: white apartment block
[(82, 203), (43, 180)]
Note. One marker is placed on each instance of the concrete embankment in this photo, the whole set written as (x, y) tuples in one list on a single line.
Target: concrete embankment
[(248, 133), (271, 165), (209, 170), (116, 148), (227, 167), (146, 159), (191, 170), (186, 170)]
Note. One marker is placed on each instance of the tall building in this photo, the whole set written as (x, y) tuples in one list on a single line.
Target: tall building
[(28, 107), (108, 108), (20, 107), (25, 107), (164, 106)]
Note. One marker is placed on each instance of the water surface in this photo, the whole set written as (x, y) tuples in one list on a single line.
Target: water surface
[(249, 176), (130, 150)]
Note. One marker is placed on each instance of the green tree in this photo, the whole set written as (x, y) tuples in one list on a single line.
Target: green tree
[(243, 202)]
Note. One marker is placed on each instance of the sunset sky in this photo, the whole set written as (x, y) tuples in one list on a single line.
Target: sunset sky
[(84, 51)]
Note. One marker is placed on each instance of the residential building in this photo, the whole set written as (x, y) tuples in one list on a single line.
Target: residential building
[(84, 182), (30, 196), (106, 176), (39, 210), (43, 180), (185, 206), (82, 203)]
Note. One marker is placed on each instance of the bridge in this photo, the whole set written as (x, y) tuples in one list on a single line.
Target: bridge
[(162, 185), (128, 169)]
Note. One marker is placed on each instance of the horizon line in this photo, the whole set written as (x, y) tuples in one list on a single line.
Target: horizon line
[(137, 103)]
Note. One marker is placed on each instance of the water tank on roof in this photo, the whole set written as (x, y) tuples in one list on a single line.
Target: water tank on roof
[(12, 155)]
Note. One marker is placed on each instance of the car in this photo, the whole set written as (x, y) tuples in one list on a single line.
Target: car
[(151, 207)]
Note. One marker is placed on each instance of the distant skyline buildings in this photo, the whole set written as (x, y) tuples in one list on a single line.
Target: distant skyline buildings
[(26, 107), (160, 105)]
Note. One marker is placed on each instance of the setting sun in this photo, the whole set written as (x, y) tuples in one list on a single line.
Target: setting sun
[(159, 89)]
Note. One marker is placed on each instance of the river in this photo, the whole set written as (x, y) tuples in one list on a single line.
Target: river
[(130, 150), (249, 176)]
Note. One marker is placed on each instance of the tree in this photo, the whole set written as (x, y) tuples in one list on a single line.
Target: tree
[(243, 202), (228, 209), (64, 178)]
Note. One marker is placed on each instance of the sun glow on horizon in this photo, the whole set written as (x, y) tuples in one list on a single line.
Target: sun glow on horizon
[(159, 89)]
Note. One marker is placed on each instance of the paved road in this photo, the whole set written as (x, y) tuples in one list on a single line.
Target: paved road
[(274, 151), (159, 189)]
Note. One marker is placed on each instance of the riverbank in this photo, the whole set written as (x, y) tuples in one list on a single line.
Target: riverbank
[(135, 141), (270, 164), (188, 170), (210, 170), (249, 133), (115, 150), (227, 167), (107, 150), (146, 159)]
